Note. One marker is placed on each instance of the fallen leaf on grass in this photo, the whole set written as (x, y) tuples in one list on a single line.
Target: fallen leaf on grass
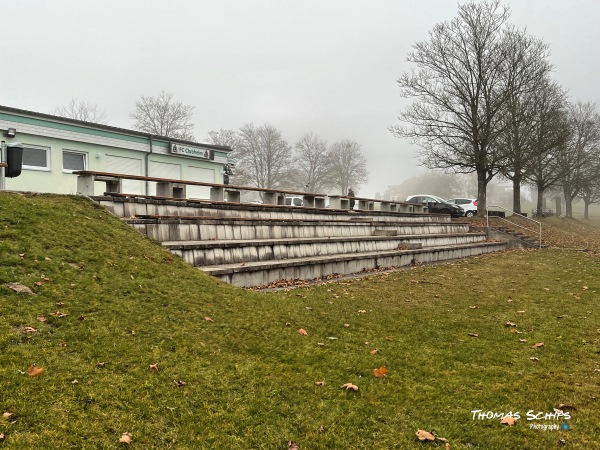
[(374, 351), (74, 382), (522, 340), (425, 435), (510, 324), (538, 345), (302, 332), (362, 311), (320, 383), (533, 358), (474, 334), (125, 438), (474, 307), (153, 366), (7, 415), (58, 314), (179, 383), (34, 371), (1, 436), (292, 445), (101, 364), (350, 387), (29, 330), (380, 373), (41, 318), (562, 406), (346, 325), (208, 319), (514, 330), (508, 420)]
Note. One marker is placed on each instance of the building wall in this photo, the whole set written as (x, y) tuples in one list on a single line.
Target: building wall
[(105, 151)]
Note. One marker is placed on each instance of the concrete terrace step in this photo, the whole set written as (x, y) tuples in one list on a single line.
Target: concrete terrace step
[(260, 273), (127, 207), (253, 245), (202, 228), (206, 253)]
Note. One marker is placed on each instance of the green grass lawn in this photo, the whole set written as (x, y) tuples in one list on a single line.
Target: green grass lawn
[(132, 340)]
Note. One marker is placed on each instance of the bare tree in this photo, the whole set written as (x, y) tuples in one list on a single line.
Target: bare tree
[(580, 155), (312, 170), (81, 110), (549, 123), (163, 116), (434, 182), (348, 166), (465, 73), (264, 157), (591, 193), (524, 118), (226, 138)]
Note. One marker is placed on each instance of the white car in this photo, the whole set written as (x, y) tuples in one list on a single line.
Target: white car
[(294, 200), (469, 205)]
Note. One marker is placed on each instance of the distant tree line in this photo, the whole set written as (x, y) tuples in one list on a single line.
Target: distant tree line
[(485, 103), (263, 157)]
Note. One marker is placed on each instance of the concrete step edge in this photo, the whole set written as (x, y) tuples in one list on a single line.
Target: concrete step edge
[(266, 265)]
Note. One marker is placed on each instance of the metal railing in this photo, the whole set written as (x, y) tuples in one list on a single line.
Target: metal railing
[(539, 224)]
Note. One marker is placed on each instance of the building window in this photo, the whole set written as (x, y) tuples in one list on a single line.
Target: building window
[(74, 161), (36, 158)]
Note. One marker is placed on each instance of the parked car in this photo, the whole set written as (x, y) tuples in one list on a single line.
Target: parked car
[(469, 205), (294, 200), (437, 205)]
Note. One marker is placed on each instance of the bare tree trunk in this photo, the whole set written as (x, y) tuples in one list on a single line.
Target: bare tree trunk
[(558, 205), (568, 200), (517, 194), (481, 193), (586, 210), (540, 202)]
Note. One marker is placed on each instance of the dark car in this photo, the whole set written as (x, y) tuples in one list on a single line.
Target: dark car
[(437, 205)]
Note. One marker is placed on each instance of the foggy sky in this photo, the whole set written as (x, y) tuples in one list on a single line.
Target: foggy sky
[(322, 66)]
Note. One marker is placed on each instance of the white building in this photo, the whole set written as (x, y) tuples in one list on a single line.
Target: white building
[(55, 146)]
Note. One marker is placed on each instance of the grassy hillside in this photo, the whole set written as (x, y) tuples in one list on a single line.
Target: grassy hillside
[(119, 336)]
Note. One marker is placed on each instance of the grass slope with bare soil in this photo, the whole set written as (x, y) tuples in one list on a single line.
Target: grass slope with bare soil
[(119, 340)]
